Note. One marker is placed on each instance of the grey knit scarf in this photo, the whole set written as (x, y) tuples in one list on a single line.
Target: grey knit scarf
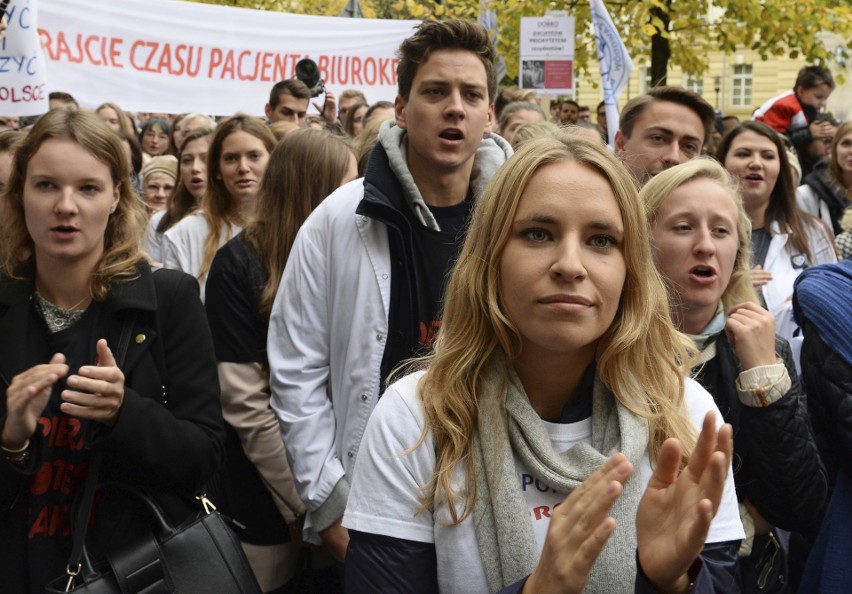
[(508, 424)]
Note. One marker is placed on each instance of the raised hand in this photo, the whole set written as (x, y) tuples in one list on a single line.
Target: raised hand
[(676, 510), (26, 398), (329, 107), (759, 276), (101, 389), (578, 531), (751, 331)]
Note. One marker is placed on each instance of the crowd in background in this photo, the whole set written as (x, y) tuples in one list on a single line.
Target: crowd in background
[(255, 372)]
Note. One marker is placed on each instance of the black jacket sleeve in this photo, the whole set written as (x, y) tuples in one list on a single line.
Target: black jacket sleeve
[(787, 480), (376, 563), (179, 442), (829, 383)]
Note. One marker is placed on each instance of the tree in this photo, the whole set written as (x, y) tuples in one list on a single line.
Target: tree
[(313, 7), (670, 32), (663, 32)]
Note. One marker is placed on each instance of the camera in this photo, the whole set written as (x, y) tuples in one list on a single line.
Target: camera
[(308, 72)]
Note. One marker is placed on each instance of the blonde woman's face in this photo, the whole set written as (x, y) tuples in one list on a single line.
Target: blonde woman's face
[(695, 245), (108, 115), (563, 270)]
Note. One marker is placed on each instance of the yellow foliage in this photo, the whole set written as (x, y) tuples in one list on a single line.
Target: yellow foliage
[(770, 26)]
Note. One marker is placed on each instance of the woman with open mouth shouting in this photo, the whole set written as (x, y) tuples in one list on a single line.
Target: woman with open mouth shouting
[(700, 236), (784, 240), (187, 194)]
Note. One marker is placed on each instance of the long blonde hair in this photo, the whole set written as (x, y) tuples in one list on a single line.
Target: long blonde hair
[(125, 227), (641, 357), (221, 210), (740, 288)]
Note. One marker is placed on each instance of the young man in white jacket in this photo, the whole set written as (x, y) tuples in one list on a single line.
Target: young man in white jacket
[(362, 288)]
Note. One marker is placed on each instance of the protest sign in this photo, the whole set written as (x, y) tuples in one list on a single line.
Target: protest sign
[(22, 66), (547, 54), (165, 55)]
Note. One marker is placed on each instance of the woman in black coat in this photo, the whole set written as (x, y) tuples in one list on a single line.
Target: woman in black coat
[(73, 288), (700, 234)]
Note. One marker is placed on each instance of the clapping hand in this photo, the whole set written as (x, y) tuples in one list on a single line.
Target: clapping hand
[(101, 389), (578, 531), (26, 398), (677, 508)]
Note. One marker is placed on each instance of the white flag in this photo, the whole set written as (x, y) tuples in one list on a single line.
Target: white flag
[(488, 19), (615, 62)]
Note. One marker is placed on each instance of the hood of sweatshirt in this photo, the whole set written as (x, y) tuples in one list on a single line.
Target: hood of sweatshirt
[(493, 151)]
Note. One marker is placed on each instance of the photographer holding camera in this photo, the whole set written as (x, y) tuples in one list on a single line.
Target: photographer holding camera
[(288, 100)]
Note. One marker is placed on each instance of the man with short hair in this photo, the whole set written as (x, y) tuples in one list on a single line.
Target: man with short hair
[(728, 122), (62, 100), (601, 117), (569, 111), (288, 102), (362, 288), (348, 98), (662, 128), (584, 115)]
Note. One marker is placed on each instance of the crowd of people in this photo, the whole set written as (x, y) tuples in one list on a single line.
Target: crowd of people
[(452, 342)]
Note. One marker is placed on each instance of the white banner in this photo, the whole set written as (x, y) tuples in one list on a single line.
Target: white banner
[(615, 62), (22, 66), (175, 57)]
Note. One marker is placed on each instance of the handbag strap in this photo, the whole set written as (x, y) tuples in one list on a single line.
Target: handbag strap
[(81, 521)]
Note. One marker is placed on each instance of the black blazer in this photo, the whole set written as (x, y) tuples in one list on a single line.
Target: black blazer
[(169, 436)]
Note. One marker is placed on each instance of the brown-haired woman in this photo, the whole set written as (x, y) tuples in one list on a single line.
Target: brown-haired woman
[(236, 162), (116, 118), (73, 282), (188, 192), (784, 241), (826, 192), (304, 168)]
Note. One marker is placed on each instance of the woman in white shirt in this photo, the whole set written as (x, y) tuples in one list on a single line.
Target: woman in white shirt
[(187, 194), (236, 162), (557, 372)]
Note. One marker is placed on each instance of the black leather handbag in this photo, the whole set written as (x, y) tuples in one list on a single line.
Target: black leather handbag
[(202, 555)]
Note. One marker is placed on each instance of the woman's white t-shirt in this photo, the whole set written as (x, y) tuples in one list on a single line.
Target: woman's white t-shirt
[(183, 245), (154, 239), (387, 484)]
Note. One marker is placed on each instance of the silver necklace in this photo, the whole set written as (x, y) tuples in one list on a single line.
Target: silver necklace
[(57, 318)]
